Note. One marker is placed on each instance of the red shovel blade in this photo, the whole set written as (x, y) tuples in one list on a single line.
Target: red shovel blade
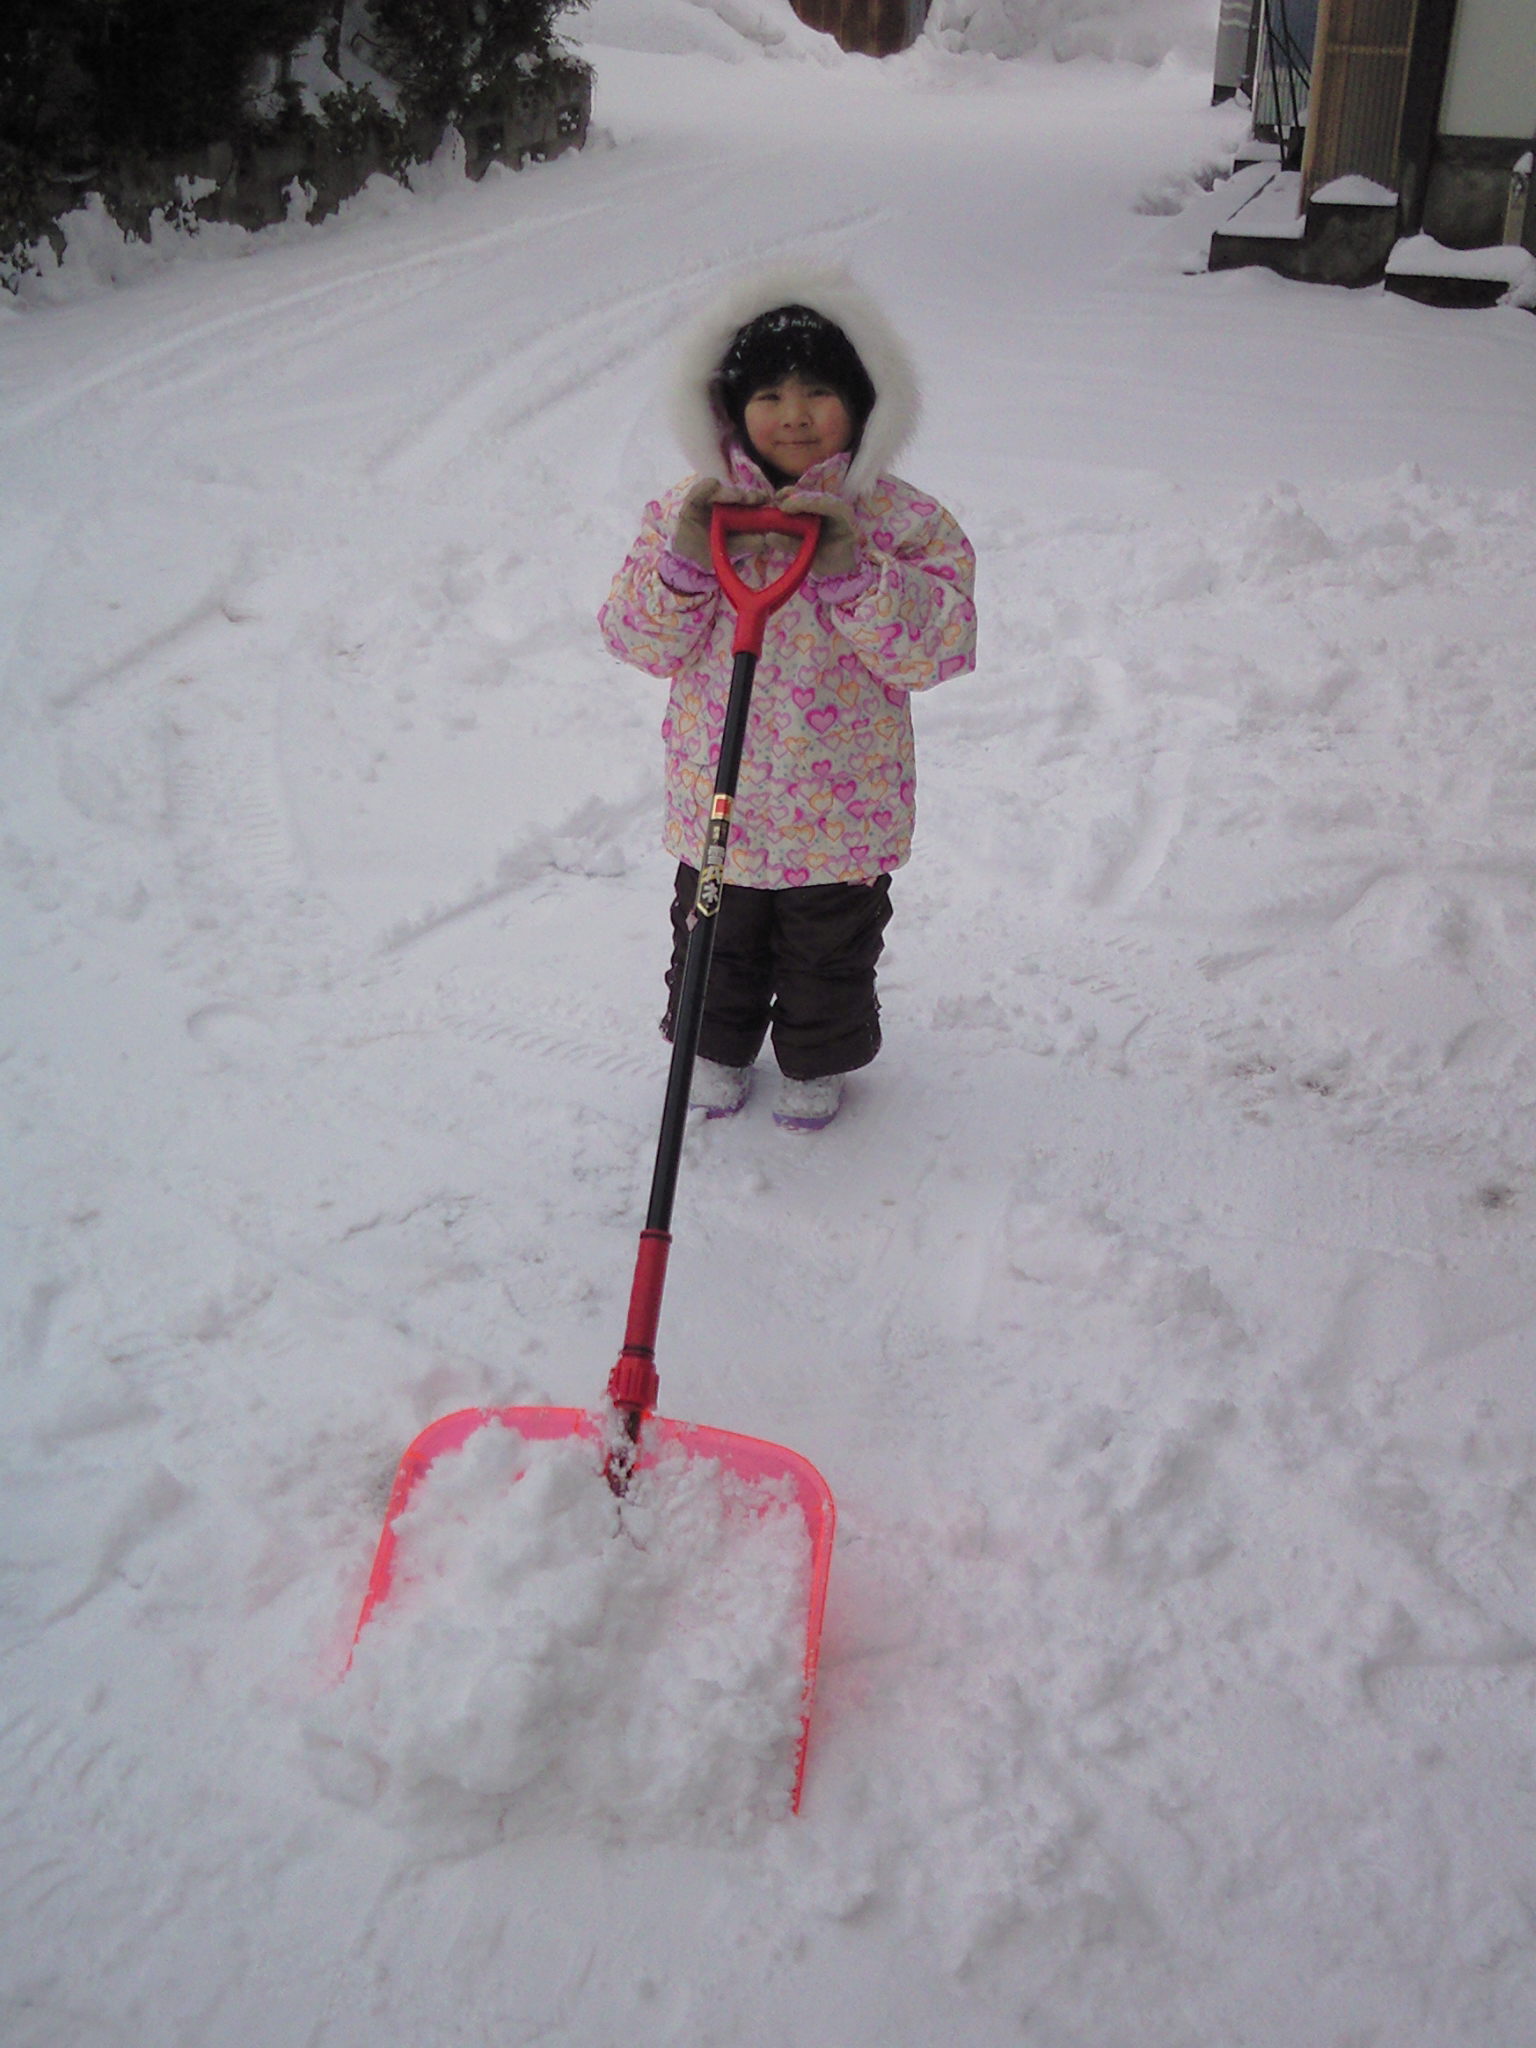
[(760, 1464)]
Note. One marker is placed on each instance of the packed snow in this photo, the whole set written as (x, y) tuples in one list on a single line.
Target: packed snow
[(1423, 256), (1355, 191), (550, 1655), (1160, 1308)]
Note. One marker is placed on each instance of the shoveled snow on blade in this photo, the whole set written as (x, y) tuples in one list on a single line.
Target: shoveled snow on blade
[(551, 1653)]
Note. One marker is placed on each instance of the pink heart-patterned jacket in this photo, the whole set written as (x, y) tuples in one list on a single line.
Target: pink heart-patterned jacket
[(827, 775)]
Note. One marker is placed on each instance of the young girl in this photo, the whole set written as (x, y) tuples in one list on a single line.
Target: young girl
[(794, 388)]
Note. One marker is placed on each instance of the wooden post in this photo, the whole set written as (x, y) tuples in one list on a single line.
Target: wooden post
[(1317, 98), (1359, 79)]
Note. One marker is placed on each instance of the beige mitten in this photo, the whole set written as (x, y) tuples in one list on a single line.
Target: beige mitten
[(837, 552), (690, 536)]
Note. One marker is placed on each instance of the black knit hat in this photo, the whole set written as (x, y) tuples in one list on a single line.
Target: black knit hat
[(786, 341)]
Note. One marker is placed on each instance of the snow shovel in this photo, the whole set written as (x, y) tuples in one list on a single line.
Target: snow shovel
[(628, 1431)]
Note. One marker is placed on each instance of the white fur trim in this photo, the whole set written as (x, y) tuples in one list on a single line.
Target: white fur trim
[(700, 427)]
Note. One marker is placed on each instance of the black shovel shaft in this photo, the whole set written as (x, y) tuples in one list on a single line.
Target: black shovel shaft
[(633, 1384), (688, 1011)]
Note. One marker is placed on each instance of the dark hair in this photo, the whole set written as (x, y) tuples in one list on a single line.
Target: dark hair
[(785, 341)]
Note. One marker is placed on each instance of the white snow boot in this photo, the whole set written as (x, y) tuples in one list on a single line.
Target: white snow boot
[(718, 1090), (808, 1105)]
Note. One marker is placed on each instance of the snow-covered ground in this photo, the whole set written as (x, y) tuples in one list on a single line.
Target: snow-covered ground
[(1161, 1310)]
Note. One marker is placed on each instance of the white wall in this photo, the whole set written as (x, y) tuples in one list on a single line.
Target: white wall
[(1490, 87)]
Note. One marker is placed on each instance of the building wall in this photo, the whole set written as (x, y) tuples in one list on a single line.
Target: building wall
[(1232, 69), (1490, 86)]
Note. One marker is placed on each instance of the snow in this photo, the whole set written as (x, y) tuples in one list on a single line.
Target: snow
[(1160, 1309), (736, 31), (1261, 200), (549, 1656), (1132, 31), (1355, 191), (1423, 256)]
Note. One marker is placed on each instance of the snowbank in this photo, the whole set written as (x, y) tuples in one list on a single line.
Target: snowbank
[(735, 30), (1423, 256), (98, 255), (1136, 31)]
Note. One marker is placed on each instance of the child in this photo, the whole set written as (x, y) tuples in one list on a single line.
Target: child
[(795, 388)]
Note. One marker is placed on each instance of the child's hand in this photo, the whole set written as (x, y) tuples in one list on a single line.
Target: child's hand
[(690, 536), (837, 552)]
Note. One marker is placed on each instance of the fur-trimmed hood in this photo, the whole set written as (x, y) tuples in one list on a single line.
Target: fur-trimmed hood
[(698, 417)]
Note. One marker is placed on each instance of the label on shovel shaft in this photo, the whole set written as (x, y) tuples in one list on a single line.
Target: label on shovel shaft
[(712, 867)]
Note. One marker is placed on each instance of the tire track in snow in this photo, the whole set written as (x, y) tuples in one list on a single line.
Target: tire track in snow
[(228, 810), (593, 820), (567, 362), (1159, 819), (217, 1200), (182, 630), (480, 411), (261, 315), (155, 1501), (28, 544), (556, 1042), (36, 1323), (542, 1037)]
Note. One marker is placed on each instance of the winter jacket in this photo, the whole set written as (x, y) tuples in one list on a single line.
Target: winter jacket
[(828, 777)]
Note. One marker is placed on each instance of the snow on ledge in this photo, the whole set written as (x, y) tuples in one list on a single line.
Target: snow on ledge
[(1423, 256), (1270, 207), (1354, 191)]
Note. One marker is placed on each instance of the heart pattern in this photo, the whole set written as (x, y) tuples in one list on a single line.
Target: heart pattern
[(834, 675)]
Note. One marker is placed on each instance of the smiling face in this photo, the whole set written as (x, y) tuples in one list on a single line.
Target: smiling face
[(797, 423)]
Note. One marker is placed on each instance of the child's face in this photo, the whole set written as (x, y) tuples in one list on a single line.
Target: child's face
[(796, 423)]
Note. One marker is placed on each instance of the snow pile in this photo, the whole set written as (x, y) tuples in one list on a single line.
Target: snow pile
[(1134, 31), (1355, 191), (99, 254), (1507, 263), (549, 1654), (735, 30)]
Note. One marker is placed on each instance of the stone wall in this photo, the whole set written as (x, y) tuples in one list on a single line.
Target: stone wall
[(1341, 244), (1468, 191)]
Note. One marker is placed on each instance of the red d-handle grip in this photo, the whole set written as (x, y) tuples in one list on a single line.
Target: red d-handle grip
[(754, 606)]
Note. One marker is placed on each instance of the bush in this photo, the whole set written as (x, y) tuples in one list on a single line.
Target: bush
[(120, 97), (173, 74), (43, 90), (83, 79), (443, 53)]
